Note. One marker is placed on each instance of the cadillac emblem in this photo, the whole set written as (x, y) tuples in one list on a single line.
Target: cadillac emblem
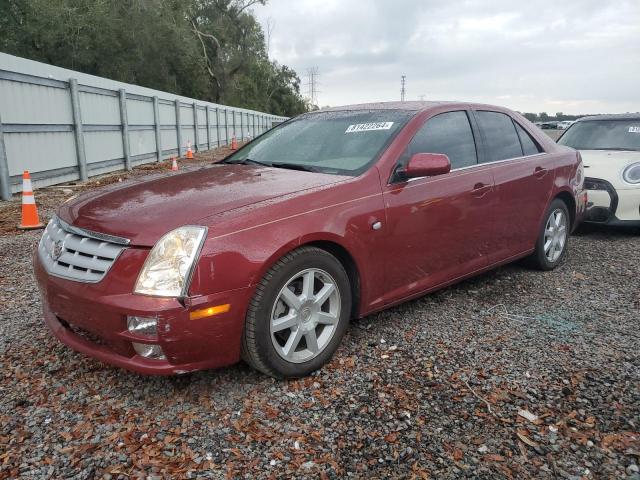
[(58, 248)]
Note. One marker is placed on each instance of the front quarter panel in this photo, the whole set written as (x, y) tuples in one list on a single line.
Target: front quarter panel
[(242, 245)]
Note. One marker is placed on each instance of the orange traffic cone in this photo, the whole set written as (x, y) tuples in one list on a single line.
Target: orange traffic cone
[(234, 142), (30, 219), (174, 164), (189, 151)]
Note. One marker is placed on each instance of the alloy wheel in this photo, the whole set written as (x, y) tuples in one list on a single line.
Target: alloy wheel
[(305, 315), (555, 235)]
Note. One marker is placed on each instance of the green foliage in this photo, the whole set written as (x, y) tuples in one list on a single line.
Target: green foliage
[(544, 117), (208, 49)]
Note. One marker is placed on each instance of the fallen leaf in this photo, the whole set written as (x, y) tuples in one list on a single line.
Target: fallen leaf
[(493, 457), (526, 440), (458, 454), (528, 415)]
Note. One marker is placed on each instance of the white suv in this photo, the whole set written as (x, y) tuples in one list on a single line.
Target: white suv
[(610, 149)]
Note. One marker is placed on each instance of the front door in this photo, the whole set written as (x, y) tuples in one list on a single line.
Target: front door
[(439, 228)]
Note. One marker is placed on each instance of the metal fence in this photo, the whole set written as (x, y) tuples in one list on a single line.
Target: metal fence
[(63, 125)]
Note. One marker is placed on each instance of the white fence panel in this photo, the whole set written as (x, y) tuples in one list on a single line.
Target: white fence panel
[(63, 125)]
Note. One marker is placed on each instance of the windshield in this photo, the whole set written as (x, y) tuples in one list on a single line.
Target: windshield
[(343, 142), (603, 135)]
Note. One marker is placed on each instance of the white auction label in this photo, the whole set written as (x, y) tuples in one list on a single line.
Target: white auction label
[(634, 129), (368, 127)]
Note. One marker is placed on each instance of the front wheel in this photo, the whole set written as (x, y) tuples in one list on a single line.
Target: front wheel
[(551, 246), (298, 315)]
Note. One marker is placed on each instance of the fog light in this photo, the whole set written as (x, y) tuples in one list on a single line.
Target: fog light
[(149, 351), (143, 326)]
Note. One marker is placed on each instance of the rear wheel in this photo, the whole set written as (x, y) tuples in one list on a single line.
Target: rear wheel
[(298, 315), (551, 246)]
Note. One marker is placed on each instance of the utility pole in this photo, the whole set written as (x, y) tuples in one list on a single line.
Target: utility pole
[(312, 85), (402, 89)]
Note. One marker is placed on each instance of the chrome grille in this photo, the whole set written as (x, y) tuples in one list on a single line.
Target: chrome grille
[(77, 254)]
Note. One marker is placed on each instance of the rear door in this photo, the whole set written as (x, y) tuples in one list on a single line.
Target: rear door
[(439, 228), (523, 176)]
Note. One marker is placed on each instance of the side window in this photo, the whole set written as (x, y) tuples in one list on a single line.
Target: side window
[(449, 133), (529, 145), (502, 139)]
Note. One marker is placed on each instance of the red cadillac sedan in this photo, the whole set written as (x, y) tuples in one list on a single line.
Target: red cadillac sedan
[(332, 215)]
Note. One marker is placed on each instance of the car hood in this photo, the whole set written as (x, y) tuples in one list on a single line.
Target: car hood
[(143, 210), (608, 164)]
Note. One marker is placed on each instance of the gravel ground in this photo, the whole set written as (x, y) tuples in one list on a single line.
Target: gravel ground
[(513, 374)]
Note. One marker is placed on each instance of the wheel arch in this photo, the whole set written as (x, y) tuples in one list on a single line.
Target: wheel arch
[(570, 202), (335, 247), (349, 264)]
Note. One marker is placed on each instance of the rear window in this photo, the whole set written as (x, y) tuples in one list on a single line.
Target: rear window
[(529, 145), (500, 134), (603, 135)]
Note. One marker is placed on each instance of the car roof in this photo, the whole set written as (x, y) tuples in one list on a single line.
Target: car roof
[(411, 106), (616, 116)]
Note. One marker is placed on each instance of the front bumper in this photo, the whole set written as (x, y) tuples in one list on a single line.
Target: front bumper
[(608, 206), (92, 319)]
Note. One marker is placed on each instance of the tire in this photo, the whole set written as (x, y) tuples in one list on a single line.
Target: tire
[(289, 309), (545, 256)]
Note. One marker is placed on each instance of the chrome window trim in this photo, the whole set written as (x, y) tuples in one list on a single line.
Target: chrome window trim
[(95, 235), (485, 163)]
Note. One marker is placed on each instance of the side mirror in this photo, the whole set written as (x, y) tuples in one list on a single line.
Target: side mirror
[(427, 165)]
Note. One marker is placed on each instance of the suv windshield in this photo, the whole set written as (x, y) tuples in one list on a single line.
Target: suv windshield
[(603, 135), (342, 142)]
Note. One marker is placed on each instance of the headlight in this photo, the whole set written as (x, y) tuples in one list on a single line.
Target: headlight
[(168, 267), (631, 174)]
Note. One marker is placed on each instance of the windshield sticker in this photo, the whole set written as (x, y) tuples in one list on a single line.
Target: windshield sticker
[(634, 129), (368, 127)]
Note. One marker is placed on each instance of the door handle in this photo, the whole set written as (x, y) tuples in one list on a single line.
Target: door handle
[(480, 189), (540, 172)]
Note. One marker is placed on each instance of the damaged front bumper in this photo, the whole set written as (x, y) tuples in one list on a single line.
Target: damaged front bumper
[(93, 322), (608, 206)]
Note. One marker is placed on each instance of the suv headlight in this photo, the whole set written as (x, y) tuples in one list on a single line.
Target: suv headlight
[(631, 174), (168, 267)]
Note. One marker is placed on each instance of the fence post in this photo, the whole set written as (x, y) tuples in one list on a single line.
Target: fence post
[(156, 121), (219, 143), (5, 186), (178, 132), (125, 129), (196, 128), (226, 125), (207, 111), (77, 124)]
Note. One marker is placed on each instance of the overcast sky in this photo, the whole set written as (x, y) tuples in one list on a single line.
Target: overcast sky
[(574, 56)]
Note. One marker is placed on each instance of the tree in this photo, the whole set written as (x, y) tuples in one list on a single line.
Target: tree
[(208, 49), (532, 117), (543, 116)]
